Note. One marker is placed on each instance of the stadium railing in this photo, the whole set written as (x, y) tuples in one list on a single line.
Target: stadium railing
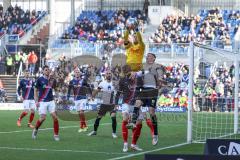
[(113, 4), (20, 72), (221, 44), (173, 50)]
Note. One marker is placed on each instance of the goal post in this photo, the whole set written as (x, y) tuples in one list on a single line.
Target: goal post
[(236, 96), (190, 92), (213, 112)]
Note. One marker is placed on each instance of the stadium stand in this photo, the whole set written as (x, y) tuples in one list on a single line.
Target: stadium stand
[(105, 26), (15, 21), (217, 27), (102, 25)]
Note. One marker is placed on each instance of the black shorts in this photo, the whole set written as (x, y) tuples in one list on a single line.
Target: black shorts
[(104, 108), (148, 96)]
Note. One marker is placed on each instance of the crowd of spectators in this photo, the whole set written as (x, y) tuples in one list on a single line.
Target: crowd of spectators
[(107, 26), (208, 25), (175, 29), (28, 60), (15, 20), (216, 27), (217, 94), (213, 94), (177, 75)]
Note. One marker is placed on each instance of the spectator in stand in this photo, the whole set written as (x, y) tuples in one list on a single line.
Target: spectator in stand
[(9, 63), (105, 68), (24, 60), (3, 96), (1, 84), (63, 61), (185, 76), (236, 29), (32, 60), (17, 61), (108, 29), (14, 20), (182, 29)]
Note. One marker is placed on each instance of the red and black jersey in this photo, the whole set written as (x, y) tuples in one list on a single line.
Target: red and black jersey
[(126, 89)]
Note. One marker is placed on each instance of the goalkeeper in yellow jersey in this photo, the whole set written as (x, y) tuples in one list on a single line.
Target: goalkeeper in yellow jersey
[(134, 48)]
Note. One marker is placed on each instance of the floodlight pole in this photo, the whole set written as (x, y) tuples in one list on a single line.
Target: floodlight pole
[(190, 92)]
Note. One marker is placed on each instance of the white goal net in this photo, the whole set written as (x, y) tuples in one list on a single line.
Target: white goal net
[(214, 110)]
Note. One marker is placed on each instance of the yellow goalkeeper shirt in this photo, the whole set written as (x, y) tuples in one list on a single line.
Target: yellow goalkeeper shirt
[(135, 52)]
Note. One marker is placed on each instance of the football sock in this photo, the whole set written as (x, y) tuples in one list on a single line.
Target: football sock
[(31, 118), (150, 125), (136, 133), (96, 124), (124, 131), (155, 124), (114, 124), (82, 120), (22, 115), (56, 127), (38, 124), (135, 114)]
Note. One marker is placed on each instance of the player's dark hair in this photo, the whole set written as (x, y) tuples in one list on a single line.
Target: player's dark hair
[(45, 66), (154, 55)]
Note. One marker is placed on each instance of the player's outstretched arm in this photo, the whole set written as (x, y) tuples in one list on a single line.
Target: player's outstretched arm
[(127, 43), (126, 35), (95, 92), (139, 37)]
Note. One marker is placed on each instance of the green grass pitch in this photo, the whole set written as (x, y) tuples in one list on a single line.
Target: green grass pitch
[(16, 143)]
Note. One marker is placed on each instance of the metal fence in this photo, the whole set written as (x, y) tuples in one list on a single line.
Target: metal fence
[(73, 48), (113, 4)]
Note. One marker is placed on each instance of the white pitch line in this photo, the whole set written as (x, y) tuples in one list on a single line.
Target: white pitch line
[(56, 150), (45, 129), (141, 153)]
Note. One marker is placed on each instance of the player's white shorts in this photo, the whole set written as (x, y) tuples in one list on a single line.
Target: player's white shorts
[(29, 104), (46, 106), (126, 108), (81, 104)]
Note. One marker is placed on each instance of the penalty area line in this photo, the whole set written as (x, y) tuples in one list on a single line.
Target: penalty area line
[(46, 129), (150, 151), (59, 150)]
